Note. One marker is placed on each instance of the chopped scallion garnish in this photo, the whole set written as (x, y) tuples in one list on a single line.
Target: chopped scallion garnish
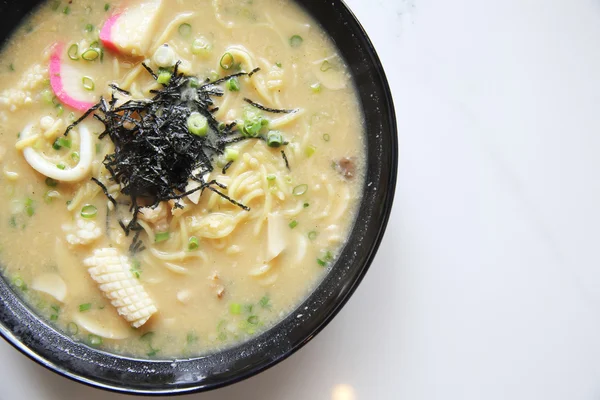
[(235, 308), (91, 54), (185, 29), (197, 124), (89, 211), (85, 307), (325, 66), (161, 237), (316, 87), (193, 243), (201, 46), (293, 224), (51, 182), (73, 52), (88, 83), (253, 319), (94, 340), (227, 61), (312, 235), (300, 189), (296, 41), (89, 27), (274, 139), (233, 84), (164, 77), (265, 302), (310, 150), (326, 137), (19, 283), (231, 154), (72, 328)]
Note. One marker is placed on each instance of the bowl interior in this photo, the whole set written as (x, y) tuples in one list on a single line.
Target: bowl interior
[(24, 330)]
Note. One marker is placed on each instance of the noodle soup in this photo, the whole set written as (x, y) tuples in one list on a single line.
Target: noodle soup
[(177, 176)]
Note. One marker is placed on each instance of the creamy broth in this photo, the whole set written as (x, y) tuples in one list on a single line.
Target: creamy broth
[(213, 274)]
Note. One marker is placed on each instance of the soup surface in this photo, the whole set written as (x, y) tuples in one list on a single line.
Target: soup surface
[(206, 194)]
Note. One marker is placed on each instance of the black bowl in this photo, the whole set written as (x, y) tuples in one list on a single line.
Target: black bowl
[(34, 337)]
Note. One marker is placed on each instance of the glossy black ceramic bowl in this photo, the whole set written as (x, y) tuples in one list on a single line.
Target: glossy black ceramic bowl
[(21, 327)]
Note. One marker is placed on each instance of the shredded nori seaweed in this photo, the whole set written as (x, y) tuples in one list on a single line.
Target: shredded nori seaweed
[(268, 109), (155, 155)]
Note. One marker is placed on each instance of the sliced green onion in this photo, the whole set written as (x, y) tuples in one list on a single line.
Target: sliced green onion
[(51, 182), (271, 177), (197, 124), (89, 27), (47, 96), (233, 84), (50, 195), (73, 52), (278, 64), (274, 139), (300, 189), (61, 166), (227, 61), (147, 337), (19, 283), (326, 66), (321, 262), (194, 82), (312, 235), (265, 302), (72, 328), (85, 307), (98, 148), (61, 142), (201, 46), (293, 224), (296, 41), (328, 256), (306, 205), (53, 317), (316, 87), (75, 156), (89, 211), (161, 237), (253, 319), (90, 54), (326, 137), (106, 7), (193, 243), (235, 308), (164, 77), (185, 29), (59, 110), (231, 154), (29, 209), (88, 83), (95, 340), (191, 338), (310, 150), (67, 10)]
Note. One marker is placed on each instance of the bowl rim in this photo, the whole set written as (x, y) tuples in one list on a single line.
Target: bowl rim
[(387, 100)]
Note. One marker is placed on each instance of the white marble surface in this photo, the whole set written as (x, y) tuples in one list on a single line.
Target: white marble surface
[(487, 285)]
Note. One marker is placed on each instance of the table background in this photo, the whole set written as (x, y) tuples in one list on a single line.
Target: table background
[(487, 284)]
